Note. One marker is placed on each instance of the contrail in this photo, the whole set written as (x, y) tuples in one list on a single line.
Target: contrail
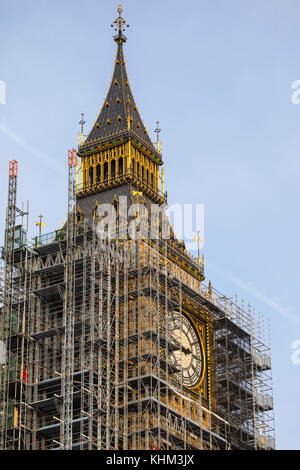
[(273, 303), (51, 163)]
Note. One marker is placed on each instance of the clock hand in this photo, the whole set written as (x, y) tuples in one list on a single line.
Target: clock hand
[(185, 350), (176, 342)]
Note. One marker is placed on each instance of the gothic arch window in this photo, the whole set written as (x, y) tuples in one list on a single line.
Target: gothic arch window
[(138, 170), (121, 166), (98, 173), (116, 208), (116, 205), (113, 168), (91, 174), (105, 170), (79, 217), (95, 210)]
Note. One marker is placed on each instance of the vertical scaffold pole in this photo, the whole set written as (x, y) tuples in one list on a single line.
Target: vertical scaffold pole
[(7, 297), (69, 307)]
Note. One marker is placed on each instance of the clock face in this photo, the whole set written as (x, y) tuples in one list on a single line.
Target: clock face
[(186, 355)]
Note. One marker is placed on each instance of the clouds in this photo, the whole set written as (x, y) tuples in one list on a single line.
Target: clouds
[(273, 303), (34, 152)]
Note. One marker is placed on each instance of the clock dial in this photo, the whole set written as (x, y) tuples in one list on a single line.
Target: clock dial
[(186, 355)]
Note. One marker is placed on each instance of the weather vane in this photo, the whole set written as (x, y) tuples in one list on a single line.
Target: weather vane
[(119, 26)]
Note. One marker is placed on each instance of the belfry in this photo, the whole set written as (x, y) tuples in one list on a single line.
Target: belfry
[(118, 154)]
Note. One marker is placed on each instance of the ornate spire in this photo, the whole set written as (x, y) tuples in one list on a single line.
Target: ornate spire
[(119, 25), (119, 116)]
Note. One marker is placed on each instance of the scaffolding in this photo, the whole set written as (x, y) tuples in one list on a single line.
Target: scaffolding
[(89, 348), (13, 316), (69, 308)]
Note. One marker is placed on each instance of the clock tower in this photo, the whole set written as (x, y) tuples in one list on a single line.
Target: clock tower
[(115, 342), (164, 344), (118, 157), (175, 363)]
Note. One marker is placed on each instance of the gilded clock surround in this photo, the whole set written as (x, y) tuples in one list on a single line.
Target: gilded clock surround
[(198, 332), (199, 322)]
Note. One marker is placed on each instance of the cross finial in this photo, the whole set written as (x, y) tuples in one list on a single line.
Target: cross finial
[(40, 224), (119, 26), (198, 240), (82, 122), (157, 131)]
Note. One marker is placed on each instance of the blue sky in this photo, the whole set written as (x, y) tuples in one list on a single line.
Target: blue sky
[(218, 76)]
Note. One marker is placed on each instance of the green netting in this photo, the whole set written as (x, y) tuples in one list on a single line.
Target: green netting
[(14, 369), (16, 323)]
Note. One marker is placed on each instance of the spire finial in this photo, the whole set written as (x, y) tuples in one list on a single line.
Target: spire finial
[(82, 123), (157, 131), (40, 224), (80, 136), (119, 25)]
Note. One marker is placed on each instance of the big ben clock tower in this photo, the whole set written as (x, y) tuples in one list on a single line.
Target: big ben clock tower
[(115, 342), (171, 373), (168, 363)]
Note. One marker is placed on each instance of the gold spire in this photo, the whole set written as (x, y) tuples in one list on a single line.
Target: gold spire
[(40, 224), (198, 240), (119, 26)]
